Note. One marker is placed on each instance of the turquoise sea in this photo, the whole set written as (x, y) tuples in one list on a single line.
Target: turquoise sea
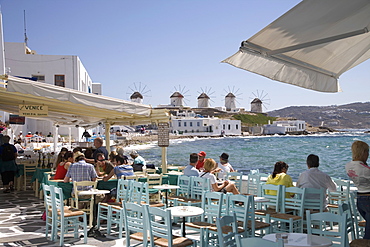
[(262, 152)]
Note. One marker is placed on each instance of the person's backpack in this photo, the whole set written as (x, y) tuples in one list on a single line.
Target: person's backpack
[(8, 153)]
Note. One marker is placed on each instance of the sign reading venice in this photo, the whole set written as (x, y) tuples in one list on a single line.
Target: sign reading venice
[(33, 110)]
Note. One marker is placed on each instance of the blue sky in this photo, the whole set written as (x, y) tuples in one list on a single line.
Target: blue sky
[(166, 46)]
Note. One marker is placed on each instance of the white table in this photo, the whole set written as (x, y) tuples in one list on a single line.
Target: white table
[(301, 240), (166, 187), (185, 211)]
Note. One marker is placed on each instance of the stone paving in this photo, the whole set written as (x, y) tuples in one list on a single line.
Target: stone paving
[(21, 224)]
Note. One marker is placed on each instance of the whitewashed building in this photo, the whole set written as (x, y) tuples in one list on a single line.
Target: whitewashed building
[(284, 127), (61, 70), (187, 123)]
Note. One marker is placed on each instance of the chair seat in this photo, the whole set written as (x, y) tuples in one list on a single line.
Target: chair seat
[(333, 206), (138, 236), (258, 224), (286, 216), (360, 243), (69, 211), (177, 241), (225, 229), (156, 204), (362, 223), (200, 225), (265, 212), (191, 200), (176, 197)]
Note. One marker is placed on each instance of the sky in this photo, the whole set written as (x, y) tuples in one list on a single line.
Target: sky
[(162, 46)]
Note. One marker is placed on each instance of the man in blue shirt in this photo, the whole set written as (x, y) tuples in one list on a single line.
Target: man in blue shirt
[(139, 162), (190, 169)]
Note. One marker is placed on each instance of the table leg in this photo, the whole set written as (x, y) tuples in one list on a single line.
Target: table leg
[(183, 227), (166, 199)]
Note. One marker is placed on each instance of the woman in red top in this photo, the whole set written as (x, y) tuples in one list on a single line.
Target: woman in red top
[(64, 165)]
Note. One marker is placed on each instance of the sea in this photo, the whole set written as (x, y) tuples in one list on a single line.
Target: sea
[(248, 153)]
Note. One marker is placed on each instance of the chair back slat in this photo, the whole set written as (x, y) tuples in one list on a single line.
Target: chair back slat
[(273, 194), (136, 192), (315, 199), (236, 177), (199, 186), (123, 188), (212, 204), (227, 239)]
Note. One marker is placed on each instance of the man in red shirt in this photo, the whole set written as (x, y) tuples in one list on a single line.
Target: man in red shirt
[(200, 163)]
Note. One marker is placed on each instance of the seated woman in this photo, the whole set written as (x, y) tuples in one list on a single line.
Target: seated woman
[(63, 166), (225, 186), (279, 177), (122, 170)]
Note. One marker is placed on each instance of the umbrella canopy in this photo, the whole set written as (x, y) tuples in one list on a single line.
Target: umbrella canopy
[(69, 107), (311, 45)]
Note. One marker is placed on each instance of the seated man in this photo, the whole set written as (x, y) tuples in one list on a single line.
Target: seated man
[(103, 166), (314, 178), (139, 162), (190, 169)]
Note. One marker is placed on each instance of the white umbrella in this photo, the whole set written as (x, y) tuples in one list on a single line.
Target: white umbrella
[(311, 45)]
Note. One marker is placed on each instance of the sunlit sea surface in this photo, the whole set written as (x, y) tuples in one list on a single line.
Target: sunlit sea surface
[(262, 152)]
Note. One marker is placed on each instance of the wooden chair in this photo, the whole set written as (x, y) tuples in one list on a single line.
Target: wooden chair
[(85, 203), (359, 221), (345, 208), (244, 209), (152, 180), (29, 170), (146, 198), (340, 196), (183, 192), (50, 217), (236, 177), (227, 227), (67, 218), (317, 223), (257, 242), (266, 209), (112, 211), (135, 218), (290, 217), (159, 222), (314, 200), (212, 204)]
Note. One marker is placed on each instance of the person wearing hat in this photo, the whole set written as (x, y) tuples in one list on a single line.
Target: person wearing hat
[(80, 171), (200, 163), (139, 162), (224, 166)]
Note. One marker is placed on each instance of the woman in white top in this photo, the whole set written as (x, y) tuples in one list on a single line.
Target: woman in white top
[(225, 186), (224, 166)]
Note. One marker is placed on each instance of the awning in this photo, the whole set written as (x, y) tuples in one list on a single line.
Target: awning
[(68, 107), (311, 45)]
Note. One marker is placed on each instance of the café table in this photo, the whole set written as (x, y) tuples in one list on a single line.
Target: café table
[(300, 240), (38, 178), (166, 187), (93, 192), (185, 211)]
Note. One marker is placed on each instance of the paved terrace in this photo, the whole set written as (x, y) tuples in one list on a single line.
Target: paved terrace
[(21, 224)]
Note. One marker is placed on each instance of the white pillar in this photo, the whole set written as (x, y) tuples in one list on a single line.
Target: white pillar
[(164, 160), (70, 137), (107, 137), (55, 138)]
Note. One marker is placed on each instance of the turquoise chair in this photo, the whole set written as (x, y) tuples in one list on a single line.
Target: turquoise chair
[(317, 223), (67, 218), (265, 209), (314, 200), (340, 196), (227, 238), (159, 222), (257, 242), (359, 221), (236, 177), (136, 192), (182, 193), (212, 204), (345, 208), (112, 211), (50, 217), (135, 221), (244, 209), (146, 198), (291, 215)]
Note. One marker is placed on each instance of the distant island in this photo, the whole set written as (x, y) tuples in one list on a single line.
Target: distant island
[(349, 116)]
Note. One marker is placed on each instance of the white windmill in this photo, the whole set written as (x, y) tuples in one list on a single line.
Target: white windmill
[(178, 97), (203, 98), (230, 98), (259, 99), (137, 91)]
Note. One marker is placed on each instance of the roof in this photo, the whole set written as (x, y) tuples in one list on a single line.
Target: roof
[(69, 107)]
